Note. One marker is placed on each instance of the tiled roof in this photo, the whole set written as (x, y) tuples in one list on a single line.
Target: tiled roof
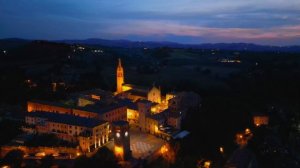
[(50, 103), (67, 119), (137, 92), (100, 110)]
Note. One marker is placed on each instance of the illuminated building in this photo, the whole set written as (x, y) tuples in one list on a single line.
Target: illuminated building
[(120, 77), (150, 111), (39, 105), (137, 106), (154, 94), (260, 119), (109, 113), (89, 133), (132, 114), (144, 107), (121, 140), (135, 92)]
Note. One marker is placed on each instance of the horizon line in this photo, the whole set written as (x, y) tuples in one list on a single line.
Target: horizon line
[(153, 41)]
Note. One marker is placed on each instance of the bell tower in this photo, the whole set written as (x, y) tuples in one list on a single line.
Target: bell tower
[(120, 76), (121, 140)]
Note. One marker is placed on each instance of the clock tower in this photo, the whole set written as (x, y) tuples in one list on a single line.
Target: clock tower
[(121, 140)]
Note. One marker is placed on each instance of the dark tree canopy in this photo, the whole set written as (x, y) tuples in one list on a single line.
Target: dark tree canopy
[(102, 158), (14, 158)]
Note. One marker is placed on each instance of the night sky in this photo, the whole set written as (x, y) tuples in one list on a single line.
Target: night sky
[(274, 22)]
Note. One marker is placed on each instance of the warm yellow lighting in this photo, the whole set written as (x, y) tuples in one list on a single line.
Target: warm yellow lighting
[(125, 88), (129, 113), (78, 154), (207, 164), (55, 154), (221, 149), (156, 128), (40, 154), (153, 109), (164, 149), (119, 151), (95, 97), (5, 166), (247, 131)]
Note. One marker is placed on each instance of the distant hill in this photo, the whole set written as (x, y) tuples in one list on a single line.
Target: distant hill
[(33, 50), (151, 44), (14, 42)]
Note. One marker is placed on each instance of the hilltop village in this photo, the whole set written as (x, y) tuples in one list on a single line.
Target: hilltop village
[(101, 116)]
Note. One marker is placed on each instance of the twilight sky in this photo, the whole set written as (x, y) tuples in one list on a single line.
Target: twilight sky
[(275, 22)]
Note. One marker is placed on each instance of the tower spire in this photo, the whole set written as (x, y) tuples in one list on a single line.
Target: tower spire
[(120, 76), (119, 62)]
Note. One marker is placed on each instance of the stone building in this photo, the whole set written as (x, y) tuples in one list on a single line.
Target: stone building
[(89, 133), (121, 140)]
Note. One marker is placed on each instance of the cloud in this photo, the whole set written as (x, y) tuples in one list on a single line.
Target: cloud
[(164, 28), (219, 20)]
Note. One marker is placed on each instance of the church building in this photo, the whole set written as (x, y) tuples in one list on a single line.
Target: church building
[(134, 92)]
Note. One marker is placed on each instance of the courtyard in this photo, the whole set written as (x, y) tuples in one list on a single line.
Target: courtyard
[(142, 144)]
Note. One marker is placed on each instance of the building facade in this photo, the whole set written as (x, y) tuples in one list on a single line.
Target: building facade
[(88, 133)]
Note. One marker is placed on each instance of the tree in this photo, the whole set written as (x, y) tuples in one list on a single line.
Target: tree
[(14, 158), (47, 161), (104, 158), (81, 161)]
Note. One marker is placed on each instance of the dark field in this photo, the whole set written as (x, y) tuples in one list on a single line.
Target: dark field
[(230, 91)]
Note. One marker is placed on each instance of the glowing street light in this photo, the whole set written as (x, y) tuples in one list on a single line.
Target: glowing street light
[(221, 150), (207, 164), (247, 131)]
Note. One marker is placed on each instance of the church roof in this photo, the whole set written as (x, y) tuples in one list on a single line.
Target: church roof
[(140, 93), (136, 87)]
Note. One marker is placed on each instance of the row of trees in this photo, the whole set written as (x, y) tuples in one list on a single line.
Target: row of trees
[(102, 158)]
